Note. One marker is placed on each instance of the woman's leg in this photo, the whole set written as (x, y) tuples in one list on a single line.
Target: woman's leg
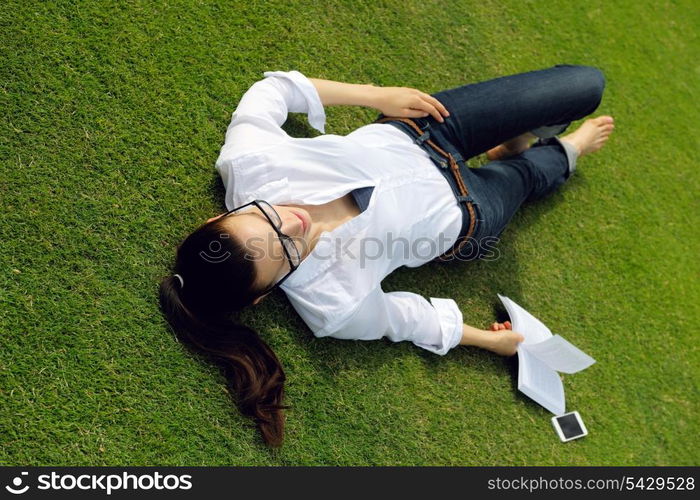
[(544, 102), (486, 114), (504, 185)]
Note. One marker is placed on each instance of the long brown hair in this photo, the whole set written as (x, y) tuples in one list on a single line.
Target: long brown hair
[(218, 280)]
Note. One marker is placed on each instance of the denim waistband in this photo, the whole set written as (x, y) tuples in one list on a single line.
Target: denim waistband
[(443, 167)]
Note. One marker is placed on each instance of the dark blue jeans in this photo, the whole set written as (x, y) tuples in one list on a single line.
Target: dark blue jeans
[(485, 114)]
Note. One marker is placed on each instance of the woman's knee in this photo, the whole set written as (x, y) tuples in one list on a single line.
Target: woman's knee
[(587, 82), (594, 79)]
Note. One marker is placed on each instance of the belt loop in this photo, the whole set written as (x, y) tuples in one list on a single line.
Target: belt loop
[(420, 140), (458, 157), (468, 198)]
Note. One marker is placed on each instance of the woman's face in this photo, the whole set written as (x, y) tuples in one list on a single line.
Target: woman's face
[(254, 231)]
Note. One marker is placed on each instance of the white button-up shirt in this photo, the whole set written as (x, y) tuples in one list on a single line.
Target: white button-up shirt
[(412, 216)]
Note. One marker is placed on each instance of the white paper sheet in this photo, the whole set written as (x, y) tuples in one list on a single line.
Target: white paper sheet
[(525, 323), (541, 355), (560, 355), (540, 383)]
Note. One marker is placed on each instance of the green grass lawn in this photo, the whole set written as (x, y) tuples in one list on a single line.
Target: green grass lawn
[(113, 114)]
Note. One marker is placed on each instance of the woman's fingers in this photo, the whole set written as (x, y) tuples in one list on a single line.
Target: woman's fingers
[(425, 104), (412, 112), (437, 104), (423, 109), (501, 326), (412, 103)]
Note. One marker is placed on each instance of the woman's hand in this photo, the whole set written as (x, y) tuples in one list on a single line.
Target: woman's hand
[(405, 102), (504, 341), (499, 339)]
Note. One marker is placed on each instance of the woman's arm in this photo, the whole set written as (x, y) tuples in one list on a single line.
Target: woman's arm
[(502, 341), (349, 94), (392, 101)]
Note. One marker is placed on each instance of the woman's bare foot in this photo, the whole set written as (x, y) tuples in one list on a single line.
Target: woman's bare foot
[(511, 147), (591, 135)]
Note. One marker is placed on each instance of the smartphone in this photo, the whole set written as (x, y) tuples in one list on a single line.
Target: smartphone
[(569, 426)]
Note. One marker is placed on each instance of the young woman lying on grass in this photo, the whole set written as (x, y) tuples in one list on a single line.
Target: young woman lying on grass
[(326, 219)]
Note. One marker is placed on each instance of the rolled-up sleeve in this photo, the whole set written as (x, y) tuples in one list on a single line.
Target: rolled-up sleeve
[(256, 123), (435, 326)]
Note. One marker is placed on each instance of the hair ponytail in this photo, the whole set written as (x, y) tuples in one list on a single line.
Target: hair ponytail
[(253, 372)]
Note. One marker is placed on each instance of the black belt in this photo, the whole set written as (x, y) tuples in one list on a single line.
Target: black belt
[(448, 166)]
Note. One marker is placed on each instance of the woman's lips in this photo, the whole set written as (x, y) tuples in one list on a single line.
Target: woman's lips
[(304, 222)]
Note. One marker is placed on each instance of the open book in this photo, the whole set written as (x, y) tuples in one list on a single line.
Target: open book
[(540, 356)]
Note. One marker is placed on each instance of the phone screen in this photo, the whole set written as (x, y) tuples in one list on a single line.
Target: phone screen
[(569, 426)]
